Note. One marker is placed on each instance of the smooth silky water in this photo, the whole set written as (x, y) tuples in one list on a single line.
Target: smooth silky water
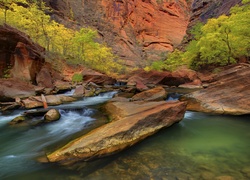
[(201, 146)]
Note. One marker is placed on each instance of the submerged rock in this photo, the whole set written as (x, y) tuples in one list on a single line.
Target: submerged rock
[(229, 94), (137, 121), (17, 120)]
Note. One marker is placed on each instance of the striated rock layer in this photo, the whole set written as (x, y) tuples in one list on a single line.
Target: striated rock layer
[(136, 121), (135, 29), (229, 94)]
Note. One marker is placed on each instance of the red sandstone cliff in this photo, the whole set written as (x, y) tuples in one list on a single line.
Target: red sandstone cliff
[(139, 30), (136, 29)]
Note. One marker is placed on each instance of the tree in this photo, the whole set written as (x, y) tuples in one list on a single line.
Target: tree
[(78, 46), (222, 40), (6, 5), (83, 43)]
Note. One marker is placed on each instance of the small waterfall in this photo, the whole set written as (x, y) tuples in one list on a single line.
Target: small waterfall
[(69, 93), (173, 96)]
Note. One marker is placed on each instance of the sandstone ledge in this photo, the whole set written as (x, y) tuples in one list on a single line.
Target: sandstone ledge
[(129, 129), (228, 94)]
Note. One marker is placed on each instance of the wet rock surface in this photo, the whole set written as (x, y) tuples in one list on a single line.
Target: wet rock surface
[(52, 115)]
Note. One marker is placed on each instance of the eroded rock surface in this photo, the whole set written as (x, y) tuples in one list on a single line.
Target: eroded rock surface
[(19, 56), (176, 78), (229, 94), (136, 30), (139, 121)]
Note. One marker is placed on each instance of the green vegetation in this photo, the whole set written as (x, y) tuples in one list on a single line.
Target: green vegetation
[(221, 41), (78, 47), (77, 77)]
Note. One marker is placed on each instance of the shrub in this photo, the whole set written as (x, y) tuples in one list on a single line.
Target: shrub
[(77, 77)]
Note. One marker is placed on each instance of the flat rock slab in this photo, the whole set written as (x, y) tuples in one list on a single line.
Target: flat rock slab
[(144, 119), (155, 94), (229, 94)]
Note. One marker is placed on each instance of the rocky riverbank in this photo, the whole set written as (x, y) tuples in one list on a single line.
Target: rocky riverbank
[(229, 93)]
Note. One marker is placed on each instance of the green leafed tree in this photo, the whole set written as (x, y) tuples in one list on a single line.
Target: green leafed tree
[(221, 41), (79, 47), (5, 5)]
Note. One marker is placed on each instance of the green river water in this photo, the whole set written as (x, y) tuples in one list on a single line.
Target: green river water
[(201, 146)]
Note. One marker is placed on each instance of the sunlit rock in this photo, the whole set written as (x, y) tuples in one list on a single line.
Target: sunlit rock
[(139, 121), (155, 94), (52, 115)]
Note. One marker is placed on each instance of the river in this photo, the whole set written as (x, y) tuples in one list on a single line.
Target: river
[(201, 146)]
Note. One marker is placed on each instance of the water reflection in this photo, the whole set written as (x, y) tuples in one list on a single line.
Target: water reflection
[(201, 146)]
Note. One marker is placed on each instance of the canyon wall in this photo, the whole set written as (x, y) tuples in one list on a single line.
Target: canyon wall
[(137, 30)]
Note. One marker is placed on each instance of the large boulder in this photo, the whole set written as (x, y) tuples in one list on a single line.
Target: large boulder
[(44, 78), (176, 78), (52, 115), (13, 88), (139, 120), (228, 94), (90, 75), (62, 85)]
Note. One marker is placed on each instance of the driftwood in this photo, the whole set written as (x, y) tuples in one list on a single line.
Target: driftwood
[(45, 105)]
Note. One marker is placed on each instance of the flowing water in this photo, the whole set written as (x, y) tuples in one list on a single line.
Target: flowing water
[(201, 146)]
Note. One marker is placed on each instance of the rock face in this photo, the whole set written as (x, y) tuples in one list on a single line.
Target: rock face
[(19, 55), (136, 30), (229, 94), (137, 121), (139, 30)]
